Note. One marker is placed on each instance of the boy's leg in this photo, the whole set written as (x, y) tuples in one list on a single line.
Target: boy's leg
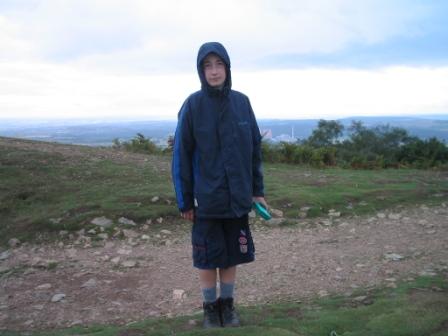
[(212, 317), (207, 279), (227, 282)]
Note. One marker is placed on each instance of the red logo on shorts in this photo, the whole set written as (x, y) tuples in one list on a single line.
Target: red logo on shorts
[(242, 240)]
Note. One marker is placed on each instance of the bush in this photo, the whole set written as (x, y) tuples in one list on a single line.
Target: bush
[(139, 144)]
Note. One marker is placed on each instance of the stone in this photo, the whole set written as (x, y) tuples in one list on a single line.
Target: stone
[(58, 297), (334, 213), (126, 221), (92, 231), (159, 220), (145, 237), (129, 263), (103, 236), (5, 255), (322, 293), (102, 221), (63, 233), (91, 283), (155, 199), (115, 260), (393, 257), (394, 216), (275, 221), (359, 298), (276, 213), (381, 215), (252, 214), (124, 251), (179, 294), (44, 286), (130, 233), (165, 232), (13, 242)]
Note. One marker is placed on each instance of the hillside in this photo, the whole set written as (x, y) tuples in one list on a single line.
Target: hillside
[(336, 232)]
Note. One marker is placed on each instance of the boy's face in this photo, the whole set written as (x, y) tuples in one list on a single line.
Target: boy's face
[(214, 71)]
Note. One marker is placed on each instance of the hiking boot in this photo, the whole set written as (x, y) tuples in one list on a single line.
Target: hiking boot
[(229, 316), (211, 315)]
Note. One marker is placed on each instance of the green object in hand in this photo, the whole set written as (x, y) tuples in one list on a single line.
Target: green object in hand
[(261, 210)]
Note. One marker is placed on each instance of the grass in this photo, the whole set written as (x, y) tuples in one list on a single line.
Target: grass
[(415, 308), (45, 192)]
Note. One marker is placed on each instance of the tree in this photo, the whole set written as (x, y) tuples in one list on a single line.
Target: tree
[(326, 133)]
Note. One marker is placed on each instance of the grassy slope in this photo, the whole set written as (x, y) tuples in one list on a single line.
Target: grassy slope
[(38, 187)]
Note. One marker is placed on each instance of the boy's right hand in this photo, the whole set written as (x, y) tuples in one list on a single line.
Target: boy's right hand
[(188, 215)]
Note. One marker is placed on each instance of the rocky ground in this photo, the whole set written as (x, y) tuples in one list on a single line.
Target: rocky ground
[(79, 281)]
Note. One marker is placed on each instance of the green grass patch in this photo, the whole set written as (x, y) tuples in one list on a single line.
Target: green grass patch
[(42, 193), (413, 308)]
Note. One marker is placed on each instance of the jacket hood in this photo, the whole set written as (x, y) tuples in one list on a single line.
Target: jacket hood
[(218, 49)]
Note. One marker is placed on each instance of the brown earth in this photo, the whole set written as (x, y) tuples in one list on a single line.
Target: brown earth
[(293, 263)]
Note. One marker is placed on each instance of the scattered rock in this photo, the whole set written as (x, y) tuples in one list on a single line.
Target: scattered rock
[(44, 286), (179, 294), (126, 221), (145, 237), (393, 257), (394, 216), (252, 214), (160, 220), (102, 221), (322, 293), (276, 213), (115, 260), (63, 233), (124, 251), (92, 231), (55, 220), (359, 298), (130, 234), (5, 255), (155, 199), (14, 242), (129, 263), (275, 221), (91, 283), (381, 215), (58, 297), (103, 236), (334, 213), (165, 232)]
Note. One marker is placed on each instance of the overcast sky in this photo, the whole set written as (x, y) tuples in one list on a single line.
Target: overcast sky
[(297, 59)]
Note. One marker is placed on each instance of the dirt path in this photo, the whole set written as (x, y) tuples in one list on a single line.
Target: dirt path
[(293, 263)]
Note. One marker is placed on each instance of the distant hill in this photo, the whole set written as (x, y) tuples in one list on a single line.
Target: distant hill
[(102, 133)]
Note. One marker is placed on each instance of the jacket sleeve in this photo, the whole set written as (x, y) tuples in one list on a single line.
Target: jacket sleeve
[(257, 171), (182, 171)]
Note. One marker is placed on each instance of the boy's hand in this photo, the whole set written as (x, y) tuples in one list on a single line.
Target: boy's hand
[(261, 200), (188, 215)]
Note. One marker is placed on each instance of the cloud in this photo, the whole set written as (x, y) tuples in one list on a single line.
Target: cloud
[(60, 91), (150, 36)]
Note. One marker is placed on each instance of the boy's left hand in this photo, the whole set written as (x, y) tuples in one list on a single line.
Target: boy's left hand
[(261, 200)]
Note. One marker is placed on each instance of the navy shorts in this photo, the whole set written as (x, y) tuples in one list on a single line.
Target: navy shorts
[(221, 243)]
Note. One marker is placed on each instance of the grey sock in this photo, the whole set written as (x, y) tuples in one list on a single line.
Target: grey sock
[(209, 294), (226, 290)]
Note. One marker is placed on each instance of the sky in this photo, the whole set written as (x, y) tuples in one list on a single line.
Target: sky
[(295, 59)]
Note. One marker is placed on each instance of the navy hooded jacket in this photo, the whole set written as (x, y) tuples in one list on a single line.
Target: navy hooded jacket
[(216, 165)]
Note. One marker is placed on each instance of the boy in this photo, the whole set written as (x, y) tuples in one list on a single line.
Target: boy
[(217, 175)]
